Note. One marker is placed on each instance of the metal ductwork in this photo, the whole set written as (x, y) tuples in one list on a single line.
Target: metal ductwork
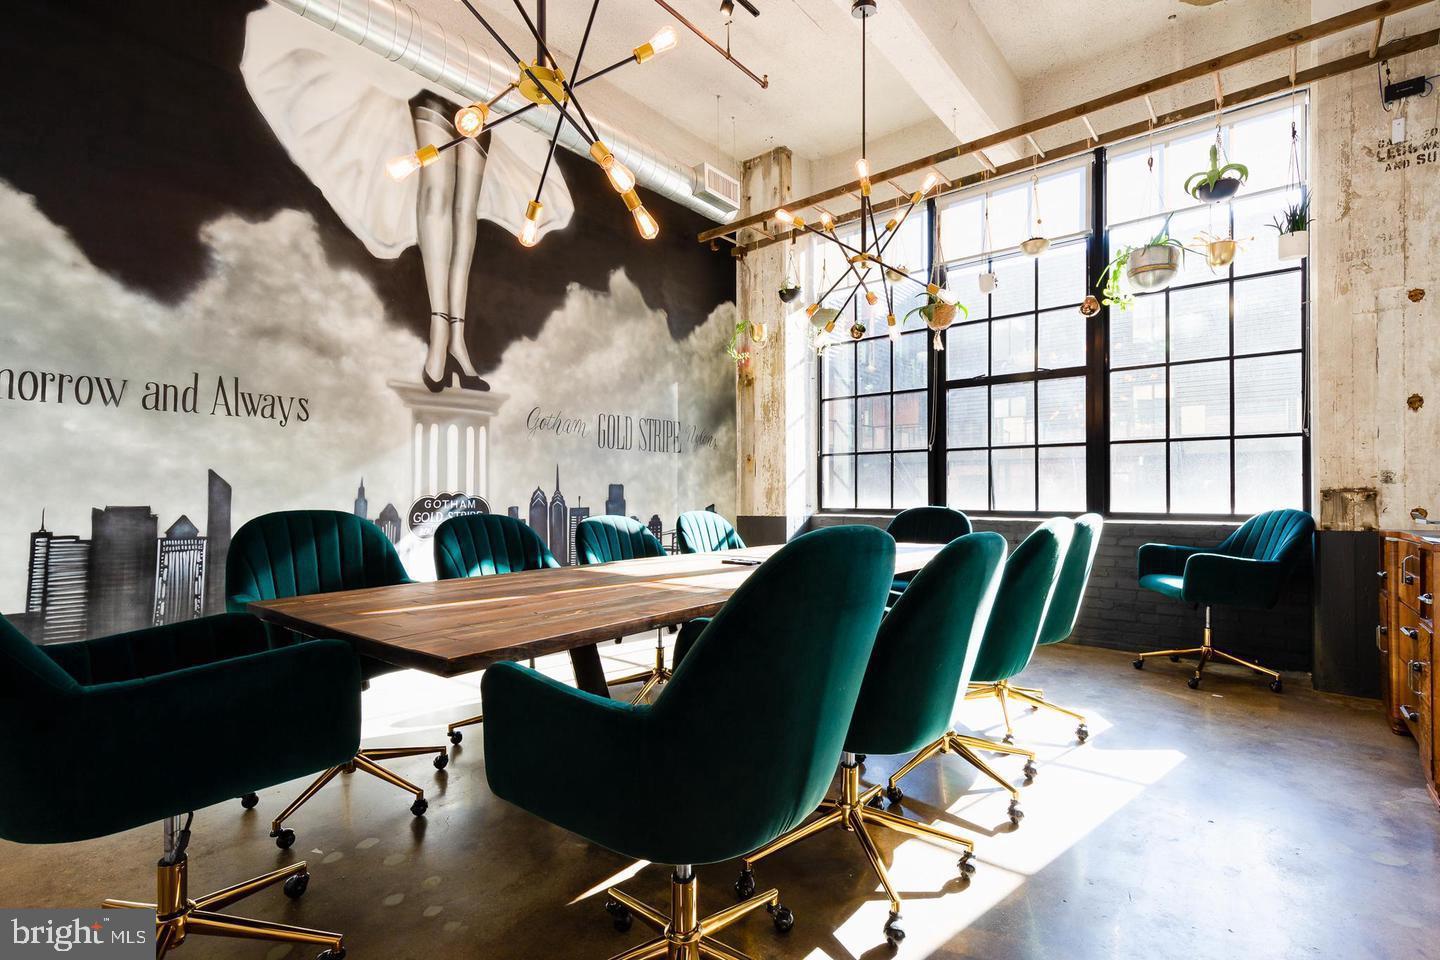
[(396, 31)]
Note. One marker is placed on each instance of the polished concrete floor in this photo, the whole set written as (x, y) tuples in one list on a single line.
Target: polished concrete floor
[(1220, 823)]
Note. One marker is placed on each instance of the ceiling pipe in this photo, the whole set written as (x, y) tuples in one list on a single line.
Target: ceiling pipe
[(397, 32)]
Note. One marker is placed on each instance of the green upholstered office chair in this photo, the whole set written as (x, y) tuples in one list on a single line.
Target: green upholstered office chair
[(795, 637), (1027, 589), (300, 552), (608, 538), (705, 531), (1247, 569), (926, 525), (166, 720), (923, 654), (484, 544)]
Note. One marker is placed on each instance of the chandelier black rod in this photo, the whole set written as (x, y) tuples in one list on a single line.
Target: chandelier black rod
[(545, 56), (579, 56)]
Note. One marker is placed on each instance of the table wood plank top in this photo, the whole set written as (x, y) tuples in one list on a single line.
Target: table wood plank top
[(449, 627)]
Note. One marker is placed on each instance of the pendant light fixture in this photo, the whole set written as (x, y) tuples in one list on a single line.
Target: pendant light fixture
[(542, 82)]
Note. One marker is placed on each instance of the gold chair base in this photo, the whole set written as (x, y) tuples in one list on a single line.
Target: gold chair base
[(1004, 691), (366, 762), (853, 811), (968, 748), (177, 917), (683, 936), (651, 678), (1206, 652)]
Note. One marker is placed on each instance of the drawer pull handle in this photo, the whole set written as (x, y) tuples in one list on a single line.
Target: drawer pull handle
[(1381, 574), (1410, 632), (1427, 598), (1417, 667), (1380, 631), (1411, 714), (1406, 576)]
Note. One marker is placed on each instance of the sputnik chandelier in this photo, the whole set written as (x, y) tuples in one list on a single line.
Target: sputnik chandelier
[(541, 81), (874, 239)]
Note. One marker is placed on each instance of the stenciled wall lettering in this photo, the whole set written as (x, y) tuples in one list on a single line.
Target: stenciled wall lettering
[(226, 397)]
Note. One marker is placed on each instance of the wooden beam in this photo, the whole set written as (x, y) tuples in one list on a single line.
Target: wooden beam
[(1150, 106), (1089, 127), (1324, 28), (1395, 48), (1295, 63), (1375, 37), (1035, 146), (984, 160)]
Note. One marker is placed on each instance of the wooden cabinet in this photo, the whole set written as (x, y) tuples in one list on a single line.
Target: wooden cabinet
[(1405, 638)]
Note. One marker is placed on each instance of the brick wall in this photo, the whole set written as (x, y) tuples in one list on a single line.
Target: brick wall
[(1118, 614)]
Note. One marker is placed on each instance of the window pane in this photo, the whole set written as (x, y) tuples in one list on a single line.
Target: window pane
[(1009, 217), (912, 486), (1127, 184), (1181, 158), (962, 228), (1137, 404), (1262, 143), (837, 426), (837, 483), (1014, 478), (1137, 478), (966, 352), (910, 360), (1200, 399), (1062, 478), (967, 479), (1137, 335), (912, 425), (1186, 226), (1268, 474), (873, 426), (872, 481), (908, 251), (837, 365), (1200, 476), (874, 365), (1015, 287), (962, 284), (1267, 395), (1062, 340), (1267, 314), (966, 416), (1062, 199), (1252, 219), (1012, 344), (1012, 414), (1199, 322), (1062, 275), (1062, 410)]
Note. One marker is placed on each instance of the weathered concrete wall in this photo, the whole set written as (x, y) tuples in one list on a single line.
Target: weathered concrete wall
[(1375, 283)]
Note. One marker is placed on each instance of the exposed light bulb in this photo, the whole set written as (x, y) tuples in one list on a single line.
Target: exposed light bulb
[(784, 216), (619, 175), (827, 221), (530, 232), (402, 166), (663, 40), (871, 298), (932, 179), (646, 224), (470, 121), (862, 170)]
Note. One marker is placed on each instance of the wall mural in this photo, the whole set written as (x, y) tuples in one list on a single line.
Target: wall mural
[(214, 304)]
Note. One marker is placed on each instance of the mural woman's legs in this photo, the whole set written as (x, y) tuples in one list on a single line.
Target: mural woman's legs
[(433, 221), (469, 171)]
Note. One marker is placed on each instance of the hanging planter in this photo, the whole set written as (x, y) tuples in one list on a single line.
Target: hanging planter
[(1038, 243), (1035, 246), (1219, 251), (1150, 266), (898, 274), (938, 312), (988, 282), (1217, 184), (789, 292), (789, 287), (1293, 226)]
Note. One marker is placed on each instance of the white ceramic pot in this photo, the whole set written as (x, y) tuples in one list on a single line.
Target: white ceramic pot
[(1153, 267), (988, 282), (1294, 246), (1035, 246)]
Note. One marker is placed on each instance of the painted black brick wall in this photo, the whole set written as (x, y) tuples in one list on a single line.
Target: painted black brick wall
[(1119, 615)]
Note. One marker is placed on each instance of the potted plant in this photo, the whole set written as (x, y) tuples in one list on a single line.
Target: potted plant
[(938, 312), (1294, 228), (1219, 251), (789, 290), (1217, 184), (1149, 266)]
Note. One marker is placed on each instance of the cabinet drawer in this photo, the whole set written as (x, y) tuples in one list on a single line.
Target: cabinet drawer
[(1410, 678), (1409, 575)]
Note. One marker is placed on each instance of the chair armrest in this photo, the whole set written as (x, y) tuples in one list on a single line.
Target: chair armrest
[(1214, 578), (1163, 558), (158, 650)]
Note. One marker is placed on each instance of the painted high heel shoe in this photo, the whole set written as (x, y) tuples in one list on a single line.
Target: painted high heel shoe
[(431, 384), (452, 364)]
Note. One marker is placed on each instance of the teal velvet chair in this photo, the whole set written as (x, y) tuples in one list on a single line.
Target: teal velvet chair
[(157, 722), (482, 545), (923, 655), (1248, 569), (926, 525), (765, 697), (606, 539), (301, 552), (705, 531), (1027, 590)]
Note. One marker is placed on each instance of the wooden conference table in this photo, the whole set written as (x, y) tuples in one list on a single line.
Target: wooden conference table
[(450, 627)]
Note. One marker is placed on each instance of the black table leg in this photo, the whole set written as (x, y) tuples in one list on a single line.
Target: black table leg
[(589, 675)]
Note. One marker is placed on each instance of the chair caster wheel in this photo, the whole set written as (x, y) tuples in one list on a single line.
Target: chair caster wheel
[(1193, 683), (284, 839), (1174, 659), (967, 868), (894, 933), (441, 760), (1030, 770), (860, 758), (1008, 738), (249, 801), (1082, 733), (1016, 814), (894, 794), (784, 920), (619, 915), (745, 885), (296, 886), (419, 807), (875, 801), (1138, 663), (1276, 685), (456, 736), (337, 954)]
